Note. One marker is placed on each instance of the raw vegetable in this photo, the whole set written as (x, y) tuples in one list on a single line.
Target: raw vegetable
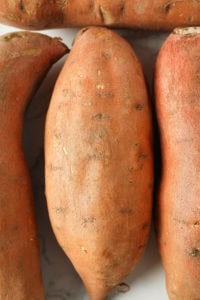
[(25, 58), (98, 153), (177, 89), (146, 14)]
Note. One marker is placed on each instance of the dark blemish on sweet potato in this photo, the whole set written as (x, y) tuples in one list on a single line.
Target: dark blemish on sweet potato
[(101, 117), (194, 252), (87, 220), (196, 224), (106, 253), (140, 247), (59, 210), (123, 9), (100, 157), (139, 107), (168, 7), (126, 210), (143, 156), (106, 54), (91, 6), (145, 226), (190, 19), (135, 144), (52, 167), (104, 95), (22, 6)]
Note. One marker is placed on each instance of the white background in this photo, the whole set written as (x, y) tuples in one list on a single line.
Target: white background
[(60, 279)]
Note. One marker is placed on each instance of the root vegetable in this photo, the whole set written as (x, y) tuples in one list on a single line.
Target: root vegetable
[(177, 89), (25, 58), (146, 14), (98, 153)]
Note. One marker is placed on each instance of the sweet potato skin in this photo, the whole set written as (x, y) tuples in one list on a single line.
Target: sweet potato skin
[(24, 60), (177, 89), (98, 153), (149, 15)]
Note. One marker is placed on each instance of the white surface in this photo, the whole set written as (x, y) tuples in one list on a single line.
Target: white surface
[(60, 279)]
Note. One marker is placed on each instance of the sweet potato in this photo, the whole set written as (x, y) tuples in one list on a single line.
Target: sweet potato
[(177, 89), (98, 152), (25, 58), (146, 14)]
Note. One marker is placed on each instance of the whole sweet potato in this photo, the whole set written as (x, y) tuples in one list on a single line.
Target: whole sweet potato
[(25, 58), (98, 153), (177, 88), (143, 14)]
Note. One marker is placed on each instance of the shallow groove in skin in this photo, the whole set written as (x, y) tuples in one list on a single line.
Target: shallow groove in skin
[(22, 6), (106, 17)]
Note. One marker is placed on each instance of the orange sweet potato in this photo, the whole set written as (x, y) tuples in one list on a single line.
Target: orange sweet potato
[(25, 58), (98, 152), (143, 14), (177, 89)]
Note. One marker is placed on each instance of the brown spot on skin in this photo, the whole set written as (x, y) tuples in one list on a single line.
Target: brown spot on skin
[(139, 107), (83, 249), (190, 19), (196, 224), (143, 156), (145, 226), (22, 6), (102, 94), (87, 220), (54, 168), (194, 252), (106, 54), (101, 117), (106, 253), (100, 157), (140, 247), (135, 144), (59, 210), (123, 9), (125, 210)]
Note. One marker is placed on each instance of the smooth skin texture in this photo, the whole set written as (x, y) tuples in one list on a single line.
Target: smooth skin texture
[(25, 58), (145, 14), (98, 153), (177, 90)]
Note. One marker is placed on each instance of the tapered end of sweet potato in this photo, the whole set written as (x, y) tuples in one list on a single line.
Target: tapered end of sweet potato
[(25, 59), (96, 291), (30, 44)]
